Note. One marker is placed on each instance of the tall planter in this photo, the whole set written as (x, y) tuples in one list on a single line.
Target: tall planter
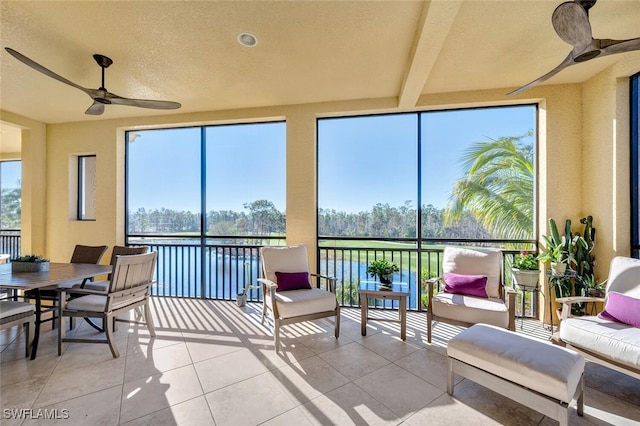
[(525, 279)]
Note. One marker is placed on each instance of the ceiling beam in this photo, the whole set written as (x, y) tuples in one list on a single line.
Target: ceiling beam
[(433, 28)]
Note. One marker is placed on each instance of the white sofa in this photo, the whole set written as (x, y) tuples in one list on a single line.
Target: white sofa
[(610, 343)]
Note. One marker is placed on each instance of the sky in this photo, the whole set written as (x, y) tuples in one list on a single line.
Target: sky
[(373, 159), (362, 160), (245, 162), (10, 174)]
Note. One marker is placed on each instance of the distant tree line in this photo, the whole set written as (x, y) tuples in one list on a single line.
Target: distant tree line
[(386, 221), (261, 217)]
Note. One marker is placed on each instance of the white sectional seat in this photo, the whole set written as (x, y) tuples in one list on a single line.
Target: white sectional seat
[(616, 341)]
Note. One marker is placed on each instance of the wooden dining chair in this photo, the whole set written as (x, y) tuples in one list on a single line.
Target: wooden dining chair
[(129, 288)]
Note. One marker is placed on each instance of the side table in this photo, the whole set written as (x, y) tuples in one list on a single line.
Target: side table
[(372, 290)]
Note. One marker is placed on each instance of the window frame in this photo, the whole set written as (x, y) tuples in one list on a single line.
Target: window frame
[(81, 188)]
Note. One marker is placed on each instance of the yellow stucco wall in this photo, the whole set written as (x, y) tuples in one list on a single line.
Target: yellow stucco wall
[(583, 161)]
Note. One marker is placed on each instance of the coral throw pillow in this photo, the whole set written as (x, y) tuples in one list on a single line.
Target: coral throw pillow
[(470, 285), (292, 281), (621, 308)]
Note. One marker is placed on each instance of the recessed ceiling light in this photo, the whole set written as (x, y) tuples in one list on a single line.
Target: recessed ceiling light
[(247, 39)]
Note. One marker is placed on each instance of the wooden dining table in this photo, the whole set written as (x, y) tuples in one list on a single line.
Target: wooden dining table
[(59, 275)]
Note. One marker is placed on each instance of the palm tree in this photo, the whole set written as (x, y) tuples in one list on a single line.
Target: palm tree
[(498, 187)]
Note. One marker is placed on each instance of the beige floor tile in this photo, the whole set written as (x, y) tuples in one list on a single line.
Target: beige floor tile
[(205, 346), (249, 402), (613, 383), (248, 382), (78, 355), (139, 340), (194, 412), (98, 408), (603, 409), (216, 373), (354, 360), (145, 396), (389, 346), (25, 369), (316, 335), (72, 383), (400, 391), (448, 411), (429, 366), (19, 396), (348, 405), (291, 417), (494, 406), (289, 354), (140, 365), (308, 379)]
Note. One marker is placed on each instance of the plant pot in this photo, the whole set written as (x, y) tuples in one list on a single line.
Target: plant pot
[(595, 292), (241, 299), (525, 279), (386, 279), (17, 266), (558, 269)]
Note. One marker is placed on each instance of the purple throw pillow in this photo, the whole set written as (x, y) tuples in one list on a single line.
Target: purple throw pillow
[(621, 308), (470, 285), (292, 281)]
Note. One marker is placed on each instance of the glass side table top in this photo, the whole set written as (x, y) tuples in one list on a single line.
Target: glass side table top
[(396, 287)]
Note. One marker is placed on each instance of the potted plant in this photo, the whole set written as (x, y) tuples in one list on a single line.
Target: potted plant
[(30, 263), (524, 270), (593, 287), (383, 269), (555, 251)]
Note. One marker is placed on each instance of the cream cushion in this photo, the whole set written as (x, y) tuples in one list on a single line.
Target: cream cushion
[(91, 302), (9, 308), (285, 259), (541, 366), (614, 340), (294, 303), (471, 309), (486, 262)]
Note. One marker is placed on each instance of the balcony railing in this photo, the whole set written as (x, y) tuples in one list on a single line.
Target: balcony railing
[(10, 242), (228, 268), (187, 267), (347, 259)]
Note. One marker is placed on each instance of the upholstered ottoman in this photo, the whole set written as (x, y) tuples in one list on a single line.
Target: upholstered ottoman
[(534, 373)]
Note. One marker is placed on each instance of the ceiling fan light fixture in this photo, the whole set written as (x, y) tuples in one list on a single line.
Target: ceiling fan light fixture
[(248, 40)]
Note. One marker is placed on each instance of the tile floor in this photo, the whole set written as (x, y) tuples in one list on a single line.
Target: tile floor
[(212, 363)]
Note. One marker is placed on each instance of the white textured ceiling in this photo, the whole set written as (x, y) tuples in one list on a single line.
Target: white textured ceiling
[(308, 51)]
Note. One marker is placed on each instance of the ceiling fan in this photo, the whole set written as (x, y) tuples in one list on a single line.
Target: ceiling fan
[(571, 22), (100, 96)]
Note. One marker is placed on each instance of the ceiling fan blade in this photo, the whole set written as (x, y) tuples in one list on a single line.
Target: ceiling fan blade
[(568, 61), (571, 22), (611, 47), (95, 109), (36, 66), (141, 103)]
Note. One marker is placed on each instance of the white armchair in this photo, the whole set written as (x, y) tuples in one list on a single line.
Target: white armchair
[(468, 298), (613, 337), (288, 294)]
